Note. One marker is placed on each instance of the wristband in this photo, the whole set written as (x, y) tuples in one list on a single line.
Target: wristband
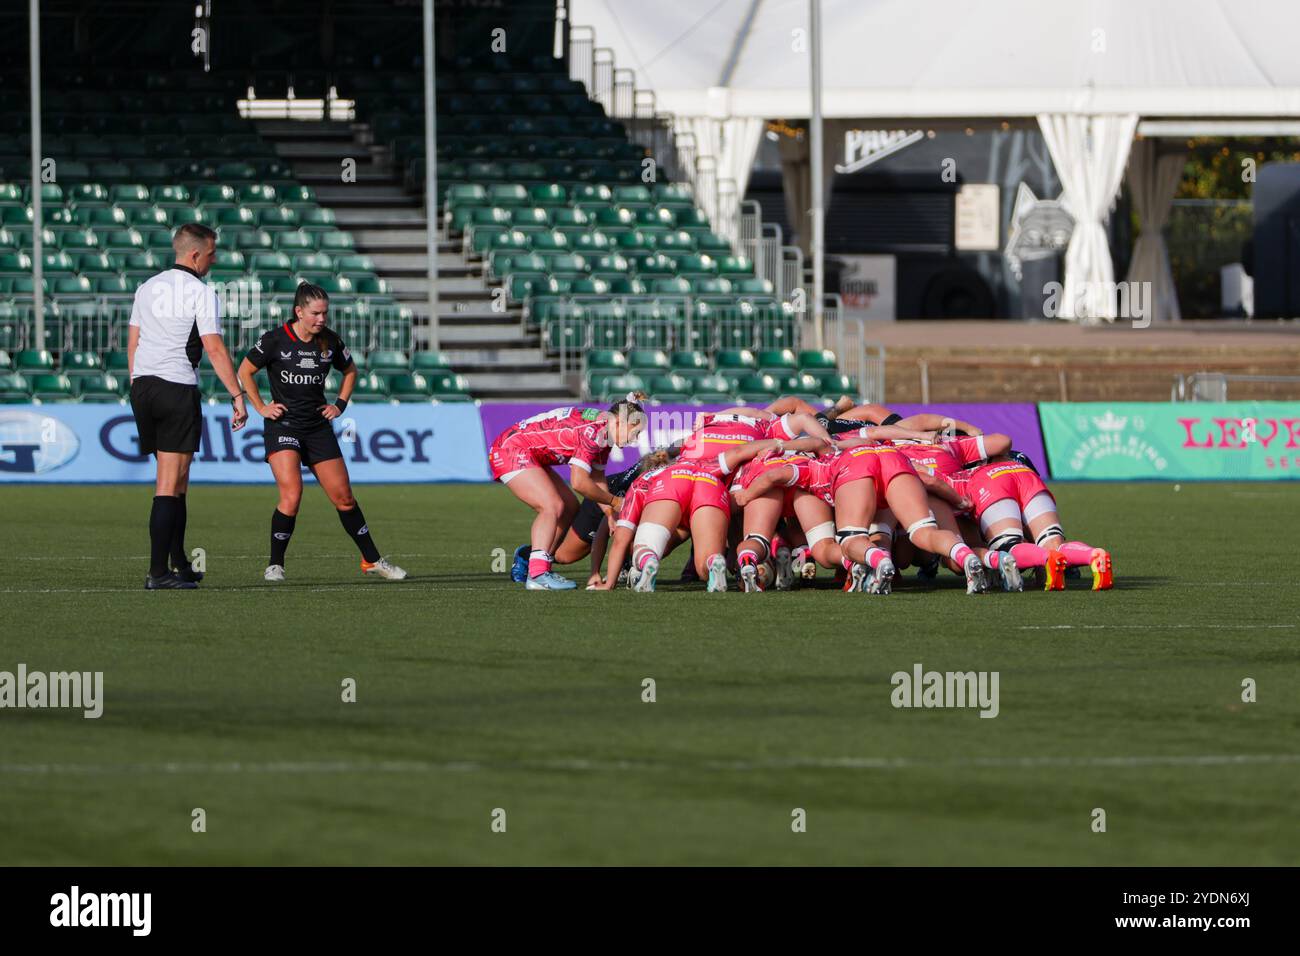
[(341, 404)]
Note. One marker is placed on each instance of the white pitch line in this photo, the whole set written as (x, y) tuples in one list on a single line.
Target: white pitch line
[(364, 586), (599, 766)]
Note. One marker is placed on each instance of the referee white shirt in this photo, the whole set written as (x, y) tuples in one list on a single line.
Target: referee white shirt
[(172, 310)]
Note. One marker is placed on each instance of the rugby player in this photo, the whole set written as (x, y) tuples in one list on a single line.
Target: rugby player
[(297, 429), (522, 456)]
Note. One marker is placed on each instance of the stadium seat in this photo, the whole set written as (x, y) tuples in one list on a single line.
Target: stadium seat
[(758, 388), (712, 388), (427, 361), (736, 359), (81, 363), (52, 387), (370, 388), (815, 359), (450, 387), (671, 388), (99, 388), (13, 389), (776, 361), (647, 361), (34, 360), (409, 387), (388, 360)]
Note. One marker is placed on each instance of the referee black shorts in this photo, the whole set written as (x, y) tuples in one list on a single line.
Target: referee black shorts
[(313, 445), (168, 416), (587, 521)]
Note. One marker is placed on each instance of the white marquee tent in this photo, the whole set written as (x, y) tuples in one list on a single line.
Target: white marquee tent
[(1090, 72)]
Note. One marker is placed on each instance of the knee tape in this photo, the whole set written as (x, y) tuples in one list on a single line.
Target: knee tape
[(651, 537)]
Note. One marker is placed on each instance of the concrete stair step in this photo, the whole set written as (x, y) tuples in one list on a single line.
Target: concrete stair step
[(365, 210), (483, 337), (501, 358), (399, 238), (403, 286), (416, 263), (496, 383)]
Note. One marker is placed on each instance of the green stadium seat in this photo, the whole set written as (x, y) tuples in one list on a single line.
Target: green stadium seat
[(112, 285), (606, 360), (409, 387), (318, 219), (619, 385), (13, 389), (370, 388), (450, 387), (642, 361), (817, 360), (675, 241), (713, 388), (737, 267), (833, 383), (99, 388), (751, 286), (116, 362), (388, 360), (184, 215), (758, 388), (337, 241), (549, 194), (15, 262), (52, 387), (776, 361), (741, 360), (81, 363), (6, 361), (170, 196), (428, 361), (656, 217), (34, 360), (216, 193), (689, 363)]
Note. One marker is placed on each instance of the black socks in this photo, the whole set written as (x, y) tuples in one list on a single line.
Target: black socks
[(354, 522), (162, 532), (281, 532), (180, 560)]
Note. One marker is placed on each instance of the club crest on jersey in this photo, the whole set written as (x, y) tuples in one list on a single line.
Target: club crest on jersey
[(327, 355), (285, 356)]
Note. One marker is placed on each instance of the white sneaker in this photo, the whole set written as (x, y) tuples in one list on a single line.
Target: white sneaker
[(645, 582), (717, 574), (977, 581), (784, 570), (881, 580), (1012, 580), (274, 573), (385, 570), (749, 579), (857, 580)]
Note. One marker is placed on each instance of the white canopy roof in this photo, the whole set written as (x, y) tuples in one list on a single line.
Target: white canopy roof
[(960, 58)]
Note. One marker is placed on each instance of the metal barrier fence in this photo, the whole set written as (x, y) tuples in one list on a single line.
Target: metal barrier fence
[(101, 325), (1213, 386)]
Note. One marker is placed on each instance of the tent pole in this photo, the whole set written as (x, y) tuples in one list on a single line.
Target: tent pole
[(431, 174), (38, 219), (815, 161)]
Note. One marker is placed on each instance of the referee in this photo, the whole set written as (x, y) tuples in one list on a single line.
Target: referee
[(176, 317)]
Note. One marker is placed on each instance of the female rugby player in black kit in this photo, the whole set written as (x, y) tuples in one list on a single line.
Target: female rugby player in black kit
[(298, 357)]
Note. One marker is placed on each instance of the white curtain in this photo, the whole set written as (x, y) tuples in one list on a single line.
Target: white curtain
[(1153, 178), (726, 149), (1089, 153)]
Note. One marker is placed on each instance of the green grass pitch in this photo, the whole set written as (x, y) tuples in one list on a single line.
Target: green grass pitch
[(473, 695)]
